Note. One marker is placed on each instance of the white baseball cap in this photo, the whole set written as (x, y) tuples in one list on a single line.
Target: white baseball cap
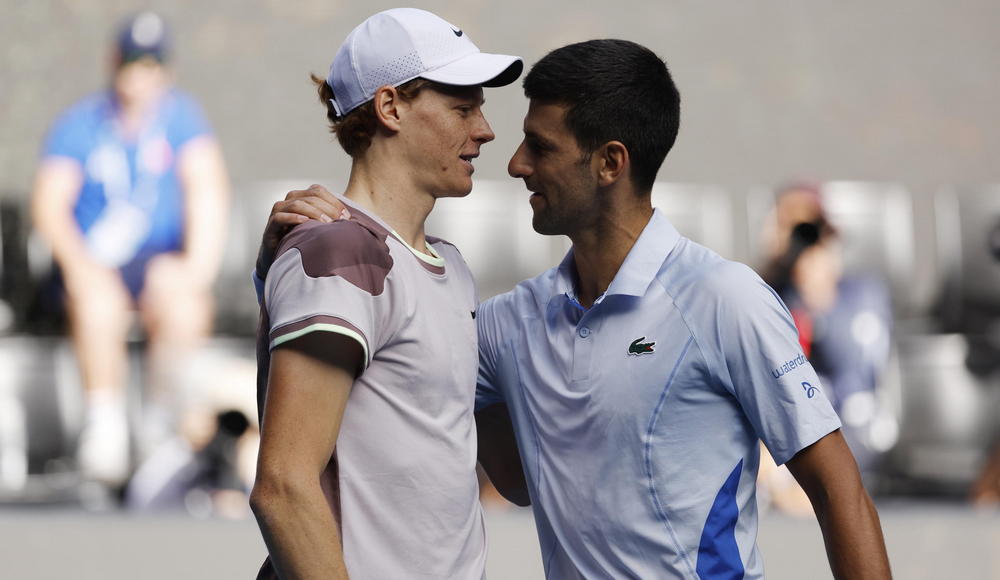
[(399, 45)]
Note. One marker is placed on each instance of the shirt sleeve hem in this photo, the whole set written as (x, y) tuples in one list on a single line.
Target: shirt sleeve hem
[(279, 338), (786, 455)]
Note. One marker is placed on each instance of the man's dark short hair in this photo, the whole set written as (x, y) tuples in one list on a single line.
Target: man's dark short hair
[(615, 90)]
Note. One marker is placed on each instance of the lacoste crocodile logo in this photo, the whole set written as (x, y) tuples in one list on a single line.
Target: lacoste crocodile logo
[(638, 347)]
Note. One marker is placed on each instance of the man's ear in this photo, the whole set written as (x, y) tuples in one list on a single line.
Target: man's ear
[(613, 163), (386, 104)]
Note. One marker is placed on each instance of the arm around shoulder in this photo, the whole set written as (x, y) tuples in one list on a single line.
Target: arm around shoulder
[(827, 472), (498, 453), (497, 444)]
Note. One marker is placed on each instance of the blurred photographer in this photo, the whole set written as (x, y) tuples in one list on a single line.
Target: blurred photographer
[(844, 320)]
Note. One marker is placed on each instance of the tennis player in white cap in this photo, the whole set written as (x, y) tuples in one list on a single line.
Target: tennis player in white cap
[(367, 345)]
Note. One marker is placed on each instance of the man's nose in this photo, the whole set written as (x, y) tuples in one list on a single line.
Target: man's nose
[(483, 133), (518, 166)]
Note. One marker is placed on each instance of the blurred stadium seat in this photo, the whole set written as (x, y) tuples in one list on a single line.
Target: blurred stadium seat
[(968, 244), (947, 418), (41, 410)]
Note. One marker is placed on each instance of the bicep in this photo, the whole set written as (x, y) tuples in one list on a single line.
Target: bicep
[(825, 468), (308, 387)]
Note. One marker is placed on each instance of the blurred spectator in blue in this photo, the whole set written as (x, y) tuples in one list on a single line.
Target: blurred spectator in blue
[(114, 198), (844, 320)]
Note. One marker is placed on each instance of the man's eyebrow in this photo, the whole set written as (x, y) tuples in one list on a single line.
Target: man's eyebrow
[(477, 101), (532, 136)]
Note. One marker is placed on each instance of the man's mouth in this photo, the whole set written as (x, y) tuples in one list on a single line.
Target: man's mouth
[(468, 159)]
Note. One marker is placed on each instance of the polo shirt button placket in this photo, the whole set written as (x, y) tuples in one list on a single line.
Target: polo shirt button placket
[(582, 354)]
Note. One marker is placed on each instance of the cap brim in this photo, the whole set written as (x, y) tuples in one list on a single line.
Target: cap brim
[(480, 68), (126, 57)]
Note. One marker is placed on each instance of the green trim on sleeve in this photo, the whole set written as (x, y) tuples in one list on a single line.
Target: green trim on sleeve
[(324, 327)]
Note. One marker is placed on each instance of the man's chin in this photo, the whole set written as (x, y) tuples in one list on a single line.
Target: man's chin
[(543, 226), (456, 192)]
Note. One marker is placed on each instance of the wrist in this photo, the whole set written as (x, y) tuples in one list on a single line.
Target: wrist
[(264, 260)]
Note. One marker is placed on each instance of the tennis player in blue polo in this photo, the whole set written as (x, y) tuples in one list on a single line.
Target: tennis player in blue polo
[(641, 372), (637, 418)]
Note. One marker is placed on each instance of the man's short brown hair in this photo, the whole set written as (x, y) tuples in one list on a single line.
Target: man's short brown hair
[(355, 130)]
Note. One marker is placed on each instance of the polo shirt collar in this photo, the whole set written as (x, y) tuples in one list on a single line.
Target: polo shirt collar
[(641, 264), (562, 286)]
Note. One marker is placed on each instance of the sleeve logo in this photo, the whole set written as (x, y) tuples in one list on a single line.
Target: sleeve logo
[(789, 365), (809, 389)]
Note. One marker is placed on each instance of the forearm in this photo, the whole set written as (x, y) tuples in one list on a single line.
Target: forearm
[(204, 238), (206, 193), (57, 186), (498, 453), (64, 237), (306, 398), (853, 537), (265, 257), (827, 472), (300, 532)]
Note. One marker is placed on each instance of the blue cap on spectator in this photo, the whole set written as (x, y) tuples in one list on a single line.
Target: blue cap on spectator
[(143, 35)]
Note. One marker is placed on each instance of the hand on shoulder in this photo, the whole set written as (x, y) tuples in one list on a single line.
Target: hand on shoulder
[(299, 206)]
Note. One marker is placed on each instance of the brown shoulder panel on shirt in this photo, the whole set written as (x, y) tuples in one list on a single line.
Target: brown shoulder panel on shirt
[(355, 250)]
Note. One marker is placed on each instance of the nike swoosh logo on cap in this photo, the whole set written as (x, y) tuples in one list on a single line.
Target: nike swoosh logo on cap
[(457, 32)]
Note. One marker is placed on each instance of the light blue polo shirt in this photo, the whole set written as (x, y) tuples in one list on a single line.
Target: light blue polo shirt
[(638, 420)]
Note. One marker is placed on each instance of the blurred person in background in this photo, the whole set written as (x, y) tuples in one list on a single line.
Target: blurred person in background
[(114, 197), (844, 320), (203, 478)]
